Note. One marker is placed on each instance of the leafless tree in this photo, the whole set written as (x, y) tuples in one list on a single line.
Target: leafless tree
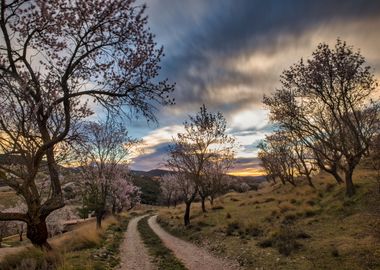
[(204, 139), (216, 178), (55, 57), (303, 157), (278, 159), (327, 103)]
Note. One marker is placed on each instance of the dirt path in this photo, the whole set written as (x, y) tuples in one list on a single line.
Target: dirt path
[(192, 256), (133, 254)]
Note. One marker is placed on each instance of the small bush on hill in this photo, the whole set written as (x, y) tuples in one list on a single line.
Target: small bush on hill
[(285, 240)]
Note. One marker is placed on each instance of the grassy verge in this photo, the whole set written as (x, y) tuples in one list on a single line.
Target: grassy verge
[(284, 227), (83, 248), (163, 257)]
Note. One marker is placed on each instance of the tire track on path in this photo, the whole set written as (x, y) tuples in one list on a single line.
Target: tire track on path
[(133, 254), (193, 257)]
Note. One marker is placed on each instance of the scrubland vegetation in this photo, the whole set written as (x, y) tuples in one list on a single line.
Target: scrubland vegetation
[(286, 227), (83, 248)]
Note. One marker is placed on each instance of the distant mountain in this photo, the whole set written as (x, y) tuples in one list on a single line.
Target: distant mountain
[(151, 173), (254, 179)]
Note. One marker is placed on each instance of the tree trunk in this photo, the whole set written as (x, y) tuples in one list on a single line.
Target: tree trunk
[(203, 199), (37, 233), (21, 232), (350, 188), (337, 177), (114, 208), (310, 181), (99, 220), (186, 217), (212, 200)]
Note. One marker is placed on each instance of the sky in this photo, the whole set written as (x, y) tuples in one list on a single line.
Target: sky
[(227, 54)]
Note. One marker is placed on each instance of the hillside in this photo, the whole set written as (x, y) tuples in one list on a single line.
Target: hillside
[(282, 227)]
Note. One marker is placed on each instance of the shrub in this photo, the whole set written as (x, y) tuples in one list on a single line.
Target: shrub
[(203, 224), (285, 241), (265, 243), (311, 202), (329, 187), (335, 252), (253, 230), (232, 227), (302, 235), (310, 212), (274, 213), (289, 218), (293, 201)]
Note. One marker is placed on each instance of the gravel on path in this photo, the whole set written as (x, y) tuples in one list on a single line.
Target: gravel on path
[(133, 254), (194, 257)]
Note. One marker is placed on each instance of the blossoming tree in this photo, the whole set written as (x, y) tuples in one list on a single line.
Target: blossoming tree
[(55, 57)]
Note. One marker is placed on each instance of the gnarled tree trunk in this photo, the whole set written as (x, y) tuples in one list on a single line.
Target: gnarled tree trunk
[(37, 233)]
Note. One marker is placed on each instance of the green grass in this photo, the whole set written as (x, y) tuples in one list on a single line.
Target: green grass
[(163, 257), (282, 227)]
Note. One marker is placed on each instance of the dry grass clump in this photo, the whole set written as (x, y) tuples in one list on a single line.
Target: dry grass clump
[(86, 236), (32, 258), (285, 207), (77, 242), (243, 229)]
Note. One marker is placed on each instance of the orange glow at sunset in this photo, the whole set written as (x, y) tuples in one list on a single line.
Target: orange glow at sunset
[(248, 172)]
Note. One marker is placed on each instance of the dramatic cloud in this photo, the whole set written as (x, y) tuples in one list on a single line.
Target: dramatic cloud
[(228, 54)]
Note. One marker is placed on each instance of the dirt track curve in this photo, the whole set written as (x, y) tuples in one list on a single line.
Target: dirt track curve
[(193, 257), (133, 254)]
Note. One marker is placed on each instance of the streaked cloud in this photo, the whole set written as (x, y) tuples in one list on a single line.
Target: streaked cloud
[(228, 54)]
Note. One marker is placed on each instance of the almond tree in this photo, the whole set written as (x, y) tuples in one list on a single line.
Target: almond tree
[(103, 155), (123, 193), (216, 179), (203, 140), (170, 188), (284, 156), (327, 103), (55, 57)]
